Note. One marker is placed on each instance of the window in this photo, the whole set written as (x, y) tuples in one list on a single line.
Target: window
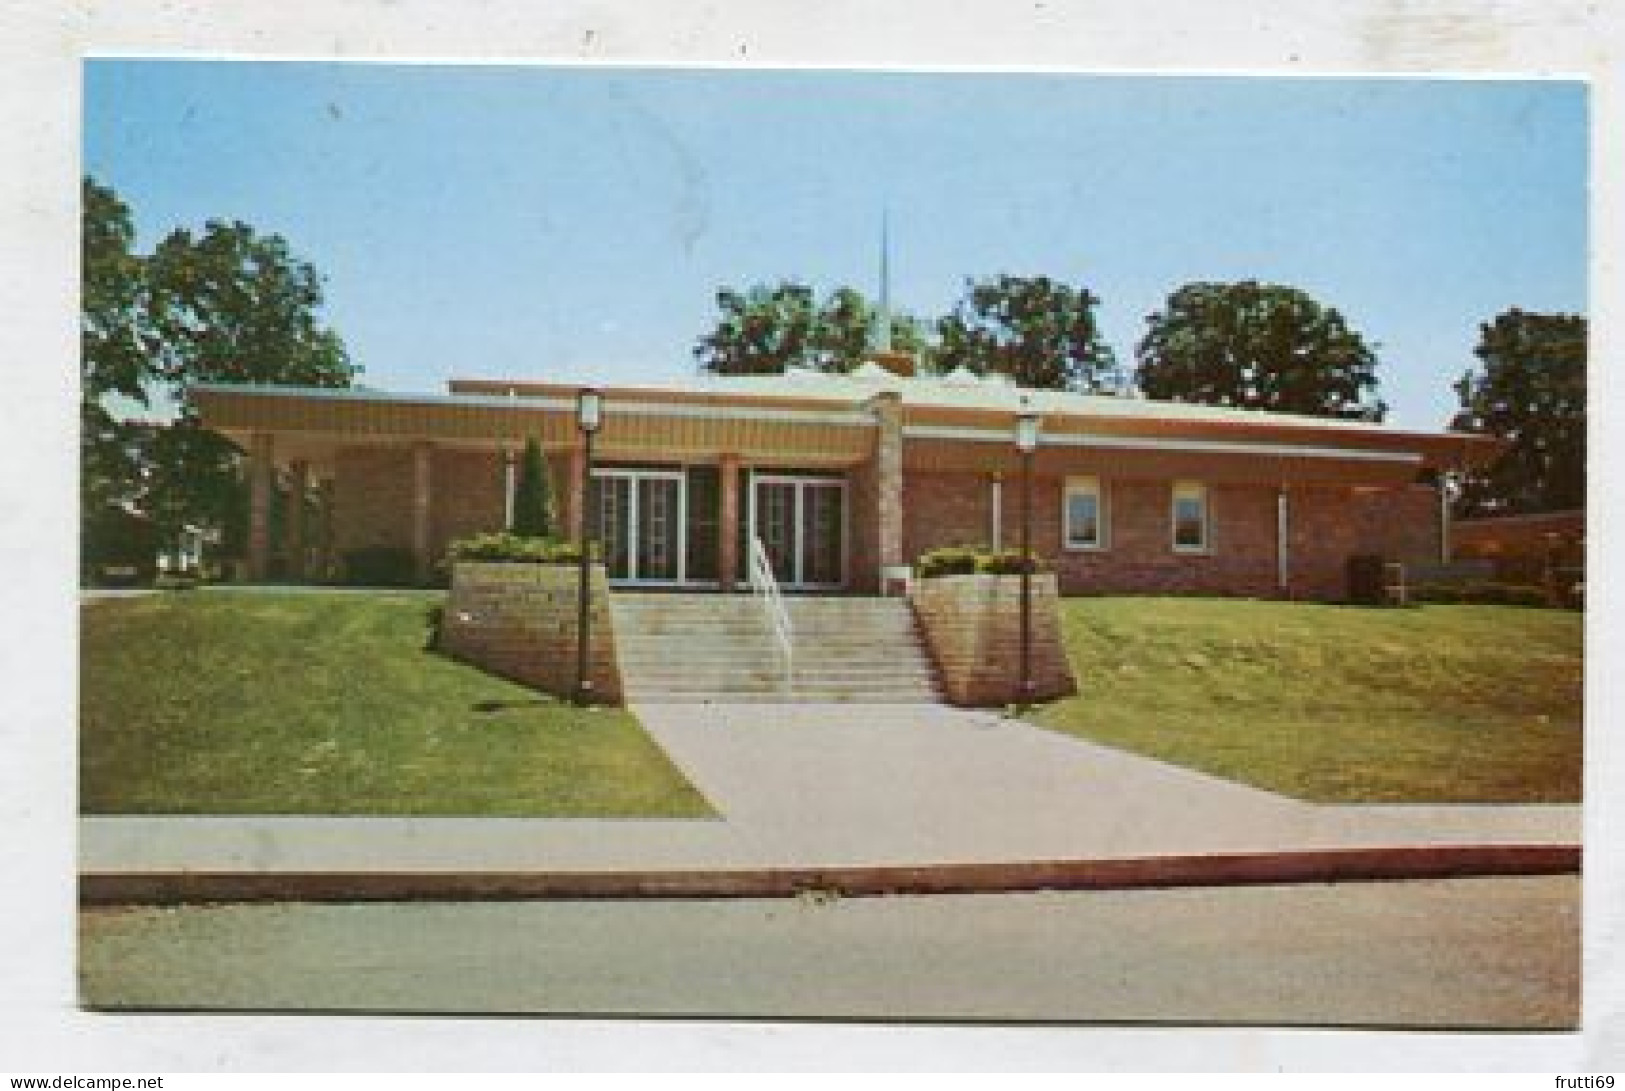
[(1084, 514), (1190, 518)]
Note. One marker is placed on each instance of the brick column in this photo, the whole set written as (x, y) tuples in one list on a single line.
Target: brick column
[(888, 409), (293, 529), (422, 490), (728, 523), (260, 455)]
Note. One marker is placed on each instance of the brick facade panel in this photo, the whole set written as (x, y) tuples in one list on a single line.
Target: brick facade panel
[(1326, 525)]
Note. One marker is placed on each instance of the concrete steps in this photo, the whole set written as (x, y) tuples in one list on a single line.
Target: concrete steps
[(693, 648)]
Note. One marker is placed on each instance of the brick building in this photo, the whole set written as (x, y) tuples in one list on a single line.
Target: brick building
[(847, 479)]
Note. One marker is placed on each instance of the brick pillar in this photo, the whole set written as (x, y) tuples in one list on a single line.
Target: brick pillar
[(260, 455), (888, 409), (728, 523), (293, 529), (422, 494), (576, 493)]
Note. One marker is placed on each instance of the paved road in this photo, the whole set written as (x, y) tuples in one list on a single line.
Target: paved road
[(1459, 953)]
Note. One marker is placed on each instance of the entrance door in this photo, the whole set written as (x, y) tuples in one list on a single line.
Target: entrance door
[(802, 524), (640, 524)]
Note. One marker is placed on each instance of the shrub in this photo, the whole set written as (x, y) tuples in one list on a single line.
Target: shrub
[(948, 561), (1481, 593), (966, 560), (532, 507), (1006, 562), (380, 566), (503, 546)]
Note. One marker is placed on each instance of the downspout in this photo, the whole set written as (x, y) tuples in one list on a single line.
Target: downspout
[(1282, 560)]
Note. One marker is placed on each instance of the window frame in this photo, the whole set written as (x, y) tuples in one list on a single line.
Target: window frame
[(1186, 490), (1087, 485)]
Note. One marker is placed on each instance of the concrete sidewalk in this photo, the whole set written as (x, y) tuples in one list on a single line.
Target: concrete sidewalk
[(807, 787)]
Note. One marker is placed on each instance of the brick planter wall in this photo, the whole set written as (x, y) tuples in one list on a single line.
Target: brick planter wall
[(972, 626), (519, 621)]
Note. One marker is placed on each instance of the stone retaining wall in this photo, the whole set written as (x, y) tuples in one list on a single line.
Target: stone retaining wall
[(972, 626), (519, 621)]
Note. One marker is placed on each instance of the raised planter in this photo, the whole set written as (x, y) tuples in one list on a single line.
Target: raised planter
[(972, 625), (518, 620)]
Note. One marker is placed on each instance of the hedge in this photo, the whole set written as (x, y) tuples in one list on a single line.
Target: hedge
[(972, 560)]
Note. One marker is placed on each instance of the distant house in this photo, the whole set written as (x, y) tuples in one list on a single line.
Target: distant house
[(847, 479)]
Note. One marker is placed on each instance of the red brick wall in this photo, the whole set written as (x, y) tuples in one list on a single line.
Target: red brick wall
[(519, 621), (372, 498), (465, 496), (1326, 526), (972, 625)]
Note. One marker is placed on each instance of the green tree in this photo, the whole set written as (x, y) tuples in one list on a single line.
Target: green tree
[(532, 509), (115, 352), (767, 328), (227, 304), (1258, 346), (1530, 390), (1040, 332)]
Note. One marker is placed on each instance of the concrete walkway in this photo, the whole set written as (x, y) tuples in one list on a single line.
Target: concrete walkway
[(809, 786)]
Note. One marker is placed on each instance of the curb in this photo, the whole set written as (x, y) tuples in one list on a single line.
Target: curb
[(1237, 869)]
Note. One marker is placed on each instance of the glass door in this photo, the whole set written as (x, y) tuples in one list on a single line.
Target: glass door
[(640, 524), (802, 524)]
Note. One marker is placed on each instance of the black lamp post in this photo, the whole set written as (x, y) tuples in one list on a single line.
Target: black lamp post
[(589, 415), (1026, 443)]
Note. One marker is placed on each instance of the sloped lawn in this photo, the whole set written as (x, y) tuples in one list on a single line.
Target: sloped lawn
[(1431, 704), (255, 703)]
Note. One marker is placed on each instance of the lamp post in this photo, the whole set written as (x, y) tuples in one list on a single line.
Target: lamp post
[(1026, 443), (589, 415)]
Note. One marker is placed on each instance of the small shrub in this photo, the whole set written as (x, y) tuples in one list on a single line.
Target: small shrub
[(503, 546), (948, 561), (1006, 562), (1481, 593), (380, 566), (968, 560)]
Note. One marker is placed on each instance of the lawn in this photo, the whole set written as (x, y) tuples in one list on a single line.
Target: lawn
[(273, 703), (1335, 703)]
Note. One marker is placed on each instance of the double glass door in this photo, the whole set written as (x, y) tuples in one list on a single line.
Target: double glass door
[(640, 524), (801, 522)]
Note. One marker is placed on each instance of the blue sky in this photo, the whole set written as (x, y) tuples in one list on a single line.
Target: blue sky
[(575, 223)]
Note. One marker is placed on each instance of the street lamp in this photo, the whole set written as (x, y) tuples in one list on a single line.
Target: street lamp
[(1026, 443), (589, 416)]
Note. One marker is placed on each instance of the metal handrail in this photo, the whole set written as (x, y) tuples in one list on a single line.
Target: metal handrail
[(766, 589)]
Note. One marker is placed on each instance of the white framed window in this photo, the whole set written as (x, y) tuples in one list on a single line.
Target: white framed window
[(1192, 518), (1083, 514)]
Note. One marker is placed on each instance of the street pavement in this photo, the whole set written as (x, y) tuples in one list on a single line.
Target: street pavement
[(1461, 953), (823, 785)]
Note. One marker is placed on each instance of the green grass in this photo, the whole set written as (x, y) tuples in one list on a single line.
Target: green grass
[(287, 703), (1331, 703)]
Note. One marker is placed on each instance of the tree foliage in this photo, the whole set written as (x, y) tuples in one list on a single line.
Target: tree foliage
[(767, 328), (532, 508), (1040, 332), (1531, 390), (1258, 346), (227, 304), (114, 350), (231, 305)]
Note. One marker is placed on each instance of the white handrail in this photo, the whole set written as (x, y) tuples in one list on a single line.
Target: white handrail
[(766, 589)]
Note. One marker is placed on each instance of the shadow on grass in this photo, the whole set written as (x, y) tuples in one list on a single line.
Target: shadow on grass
[(512, 705)]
